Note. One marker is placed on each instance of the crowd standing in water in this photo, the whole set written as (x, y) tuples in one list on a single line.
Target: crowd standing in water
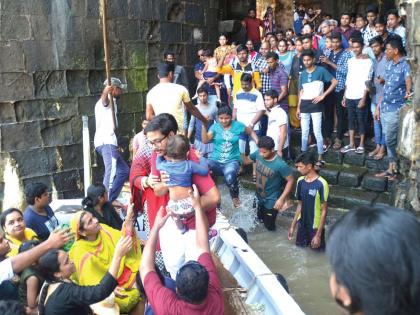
[(326, 77)]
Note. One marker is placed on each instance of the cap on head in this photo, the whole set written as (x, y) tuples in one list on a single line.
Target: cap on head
[(117, 83)]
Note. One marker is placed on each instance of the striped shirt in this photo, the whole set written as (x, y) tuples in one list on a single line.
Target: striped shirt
[(279, 78)]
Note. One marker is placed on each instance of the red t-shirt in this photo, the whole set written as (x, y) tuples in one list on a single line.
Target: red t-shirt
[(203, 183), (165, 301), (253, 29)]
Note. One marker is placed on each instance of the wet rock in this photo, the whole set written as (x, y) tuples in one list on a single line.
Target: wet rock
[(11, 57), (383, 199), (70, 156), (131, 103), (170, 32), (29, 110), (87, 105), (7, 113), (15, 27), (342, 197), (67, 180), (23, 136), (127, 30), (39, 55), (63, 108), (37, 162), (351, 177), (330, 174), (333, 157), (379, 165), (374, 183), (352, 158), (50, 84), (56, 132)]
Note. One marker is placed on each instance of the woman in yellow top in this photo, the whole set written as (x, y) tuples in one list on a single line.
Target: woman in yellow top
[(92, 254), (15, 229)]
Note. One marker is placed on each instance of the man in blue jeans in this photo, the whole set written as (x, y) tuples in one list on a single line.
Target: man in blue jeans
[(396, 91), (116, 169)]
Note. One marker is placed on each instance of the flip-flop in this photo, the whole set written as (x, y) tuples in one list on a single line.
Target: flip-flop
[(360, 150), (347, 148)]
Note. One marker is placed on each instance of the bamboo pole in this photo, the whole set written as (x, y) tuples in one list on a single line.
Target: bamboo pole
[(107, 61)]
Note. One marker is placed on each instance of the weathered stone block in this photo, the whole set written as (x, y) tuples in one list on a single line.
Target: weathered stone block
[(136, 55), (351, 199), (187, 32), (7, 113), (62, 108), (380, 165), (374, 183), (117, 9), (77, 129), (93, 31), (92, 8), (37, 7), (171, 32), (383, 199), (116, 55), (330, 175), (125, 124), (29, 110), (137, 80), (22, 136), (50, 84), (96, 79), (351, 177), (11, 57), (87, 105), (70, 156), (76, 55), (147, 9), (16, 86), (67, 180), (40, 55), (333, 157), (56, 132), (77, 82), (37, 162), (211, 17), (176, 12), (194, 14), (13, 7), (131, 103), (41, 27), (45, 179), (127, 29), (15, 27), (353, 158), (74, 194)]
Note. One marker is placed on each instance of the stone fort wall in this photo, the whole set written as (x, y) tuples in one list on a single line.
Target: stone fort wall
[(51, 73)]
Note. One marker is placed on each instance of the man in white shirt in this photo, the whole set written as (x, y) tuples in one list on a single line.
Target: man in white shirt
[(248, 109), (278, 124), (105, 141), (355, 95)]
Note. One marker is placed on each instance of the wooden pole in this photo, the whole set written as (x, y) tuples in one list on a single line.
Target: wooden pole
[(107, 62)]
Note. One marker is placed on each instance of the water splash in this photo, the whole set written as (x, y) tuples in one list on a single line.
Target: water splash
[(60, 24), (245, 216)]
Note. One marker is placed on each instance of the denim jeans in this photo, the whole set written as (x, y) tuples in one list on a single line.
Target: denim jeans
[(390, 122), (305, 119), (116, 170), (229, 171), (341, 114), (377, 127)]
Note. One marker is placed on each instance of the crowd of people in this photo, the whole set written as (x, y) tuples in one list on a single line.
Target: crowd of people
[(322, 77)]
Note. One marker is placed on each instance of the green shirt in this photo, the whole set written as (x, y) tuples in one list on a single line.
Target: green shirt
[(270, 179)]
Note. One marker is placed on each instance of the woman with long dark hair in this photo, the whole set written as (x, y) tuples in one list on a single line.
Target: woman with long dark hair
[(97, 203), (60, 295)]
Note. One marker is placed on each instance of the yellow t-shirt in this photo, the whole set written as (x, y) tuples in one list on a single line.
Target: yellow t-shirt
[(169, 98), (15, 243)]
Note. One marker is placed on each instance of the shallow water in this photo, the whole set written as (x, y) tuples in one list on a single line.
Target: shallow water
[(307, 272)]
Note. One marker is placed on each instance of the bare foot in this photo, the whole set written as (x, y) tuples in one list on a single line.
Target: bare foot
[(236, 202)]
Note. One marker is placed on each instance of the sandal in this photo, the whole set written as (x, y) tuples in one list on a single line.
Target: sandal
[(236, 202), (326, 147), (337, 144), (374, 152), (360, 150), (379, 156), (347, 148)]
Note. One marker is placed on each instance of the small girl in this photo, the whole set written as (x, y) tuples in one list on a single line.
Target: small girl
[(210, 71), (140, 139), (180, 171), (30, 282)]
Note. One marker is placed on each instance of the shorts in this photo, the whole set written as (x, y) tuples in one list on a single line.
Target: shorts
[(268, 217), (305, 235), (182, 208), (244, 139)]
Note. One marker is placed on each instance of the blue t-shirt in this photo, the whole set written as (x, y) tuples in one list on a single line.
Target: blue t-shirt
[(312, 195), (41, 224), (270, 179), (181, 172), (226, 142)]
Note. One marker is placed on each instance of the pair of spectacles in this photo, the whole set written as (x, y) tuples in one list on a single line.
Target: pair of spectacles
[(157, 142)]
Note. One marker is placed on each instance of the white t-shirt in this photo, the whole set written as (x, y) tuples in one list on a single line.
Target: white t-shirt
[(277, 117), (169, 98), (247, 104), (6, 270), (104, 133), (359, 71)]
